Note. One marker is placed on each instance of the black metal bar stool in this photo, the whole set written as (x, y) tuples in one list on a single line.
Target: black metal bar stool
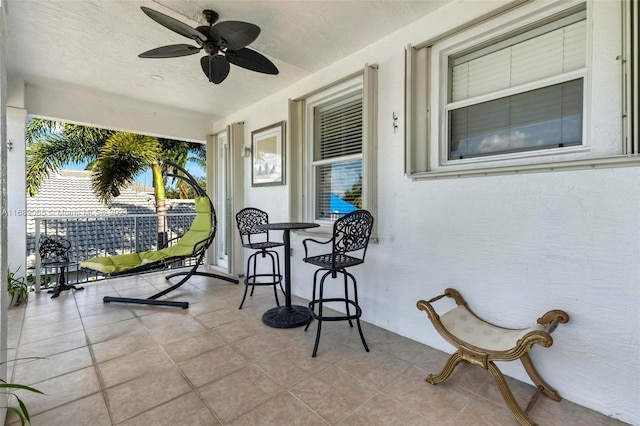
[(350, 235), (256, 239)]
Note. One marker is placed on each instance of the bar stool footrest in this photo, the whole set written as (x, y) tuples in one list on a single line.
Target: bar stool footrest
[(353, 316)]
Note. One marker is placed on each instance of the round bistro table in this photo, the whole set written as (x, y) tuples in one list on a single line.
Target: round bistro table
[(287, 316)]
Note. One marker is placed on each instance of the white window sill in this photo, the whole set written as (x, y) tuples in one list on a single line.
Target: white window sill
[(591, 163)]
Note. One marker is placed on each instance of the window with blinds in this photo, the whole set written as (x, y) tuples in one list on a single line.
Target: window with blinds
[(337, 159), (521, 93)]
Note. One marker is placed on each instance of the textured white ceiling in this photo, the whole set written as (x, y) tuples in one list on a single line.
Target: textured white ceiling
[(96, 44)]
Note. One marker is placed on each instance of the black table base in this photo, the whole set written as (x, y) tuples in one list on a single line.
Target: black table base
[(62, 281), (62, 287), (286, 316)]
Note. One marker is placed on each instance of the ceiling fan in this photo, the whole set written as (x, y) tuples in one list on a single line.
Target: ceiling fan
[(224, 43)]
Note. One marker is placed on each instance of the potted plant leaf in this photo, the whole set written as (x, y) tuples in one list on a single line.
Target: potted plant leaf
[(17, 288), (21, 410)]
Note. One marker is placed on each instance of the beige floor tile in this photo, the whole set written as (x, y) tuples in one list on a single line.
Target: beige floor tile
[(383, 411), (88, 411), (290, 366), (107, 317), (187, 409), (469, 377), (333, 394), (47, 331), (136, 340), (283, 409), (482, 412), (50, 318), (212, 365), (239, 329), (221, 316), (239, 392), (337, 341), (206, 305), (111, 331), (193, 346), (262, 344), (165, 318), (133, 365), (185, 293), (42, 304), (54, 345), (143, 393), (55, 365), (61, 390), (97, 306), (129, 283), (176, 330), (522, 392), (141, 292), (439, 404), (377, 369)]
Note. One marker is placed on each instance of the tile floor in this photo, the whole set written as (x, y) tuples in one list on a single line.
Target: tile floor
[(118, 364)]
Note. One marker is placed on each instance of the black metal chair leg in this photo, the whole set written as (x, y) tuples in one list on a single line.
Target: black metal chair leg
[(359, 312), (346, 296), (246, 286), (315, 346), (366, 348), (319, 328)]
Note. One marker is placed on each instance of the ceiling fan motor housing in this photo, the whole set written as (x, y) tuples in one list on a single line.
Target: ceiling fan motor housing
[(210, 16)]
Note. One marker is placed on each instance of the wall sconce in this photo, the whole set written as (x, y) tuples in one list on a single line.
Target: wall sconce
[(246, 152)]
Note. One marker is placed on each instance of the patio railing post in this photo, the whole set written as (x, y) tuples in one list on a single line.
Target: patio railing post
[(37, 252)]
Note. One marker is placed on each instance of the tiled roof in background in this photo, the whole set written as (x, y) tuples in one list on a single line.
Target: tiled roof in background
[(70, 193)]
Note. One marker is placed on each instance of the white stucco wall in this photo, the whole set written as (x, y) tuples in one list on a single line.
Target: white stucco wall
[(515, 246)]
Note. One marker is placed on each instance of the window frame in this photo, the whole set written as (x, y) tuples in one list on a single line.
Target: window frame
[(301, 109), (427, 64), (351, 89), (448, 49)]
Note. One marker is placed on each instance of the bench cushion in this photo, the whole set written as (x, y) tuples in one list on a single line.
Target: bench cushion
[(467, 327)]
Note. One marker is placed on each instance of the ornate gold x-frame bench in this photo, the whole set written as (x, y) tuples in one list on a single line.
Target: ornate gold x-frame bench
[(481, 343)]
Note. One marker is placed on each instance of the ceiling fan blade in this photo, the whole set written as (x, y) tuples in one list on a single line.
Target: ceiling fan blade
[(251, 60), (173, 24), (234, 34), (215, 67), (171, 51)]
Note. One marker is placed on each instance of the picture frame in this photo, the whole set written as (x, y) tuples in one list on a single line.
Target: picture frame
[(268, 156)]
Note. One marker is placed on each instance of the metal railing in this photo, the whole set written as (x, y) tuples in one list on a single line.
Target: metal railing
[(100, 235)]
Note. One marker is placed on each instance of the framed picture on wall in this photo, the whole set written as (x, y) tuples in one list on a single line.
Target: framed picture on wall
[(267, 155)]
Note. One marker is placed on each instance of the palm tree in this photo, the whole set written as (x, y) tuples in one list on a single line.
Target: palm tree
[(115, 158)]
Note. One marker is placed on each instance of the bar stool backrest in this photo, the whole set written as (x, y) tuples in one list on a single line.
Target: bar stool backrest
[(352, 232), (247, 219)]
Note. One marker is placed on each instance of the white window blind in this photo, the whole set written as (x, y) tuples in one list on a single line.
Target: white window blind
[(339, 130), (550, 117), (543, 110), (525, 59), (338, 158)]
